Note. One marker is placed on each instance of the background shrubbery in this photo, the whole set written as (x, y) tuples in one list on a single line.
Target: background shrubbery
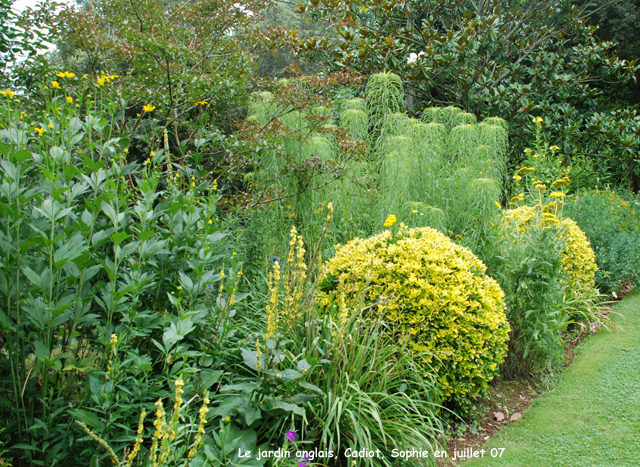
[(611, 224), (159, 253)]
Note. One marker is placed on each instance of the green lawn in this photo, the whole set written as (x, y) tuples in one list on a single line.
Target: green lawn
[(592, 418)]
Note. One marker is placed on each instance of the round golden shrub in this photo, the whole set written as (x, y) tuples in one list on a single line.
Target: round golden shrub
[(578, 258), (438, 294)]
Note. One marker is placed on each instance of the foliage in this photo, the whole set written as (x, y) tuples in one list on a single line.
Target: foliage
[(611, 225), (437, 293), (173, 54), (578, 258), (374, 394), (545, 264), (442, 174), (276, 63), (511, 60), (4, 462), (289, 156), (334, 378), (23, 39), (172, 442), (527, 262), (107, 267)]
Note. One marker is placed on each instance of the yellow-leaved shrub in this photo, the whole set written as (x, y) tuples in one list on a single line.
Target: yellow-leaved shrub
[(578, 258), (437, 293)]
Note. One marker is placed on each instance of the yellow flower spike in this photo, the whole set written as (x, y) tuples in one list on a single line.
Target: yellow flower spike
[(148, 107), (497, 205), (55, 84), (69, 100), (390, 221)]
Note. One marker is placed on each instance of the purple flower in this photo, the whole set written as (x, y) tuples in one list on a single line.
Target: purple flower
[(302, 463), (291, 435), (275, 258), (281, 263)]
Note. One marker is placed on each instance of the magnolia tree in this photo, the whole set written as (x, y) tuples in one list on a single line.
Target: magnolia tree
[(512, 59)]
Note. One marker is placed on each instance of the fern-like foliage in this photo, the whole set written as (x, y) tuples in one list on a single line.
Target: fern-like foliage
[(385, 95)]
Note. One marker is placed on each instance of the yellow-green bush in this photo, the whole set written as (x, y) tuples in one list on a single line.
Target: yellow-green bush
[(578, 258), (437, 292)]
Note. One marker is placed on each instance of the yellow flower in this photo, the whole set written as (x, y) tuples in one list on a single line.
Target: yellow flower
[(526, 170), (528, 150), (193, 184), (101, 81), (148, 107), (537, 120), (40, 130), (554, 148), (210, 222), (65, 74), (69, 100), (8, 93), (414, 211), (55, 84), (517, 178), (201, 103), (390, 220), (561, 183), (498, 205), (557, 194), (51, 125), (152, 153), (179, 287)]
